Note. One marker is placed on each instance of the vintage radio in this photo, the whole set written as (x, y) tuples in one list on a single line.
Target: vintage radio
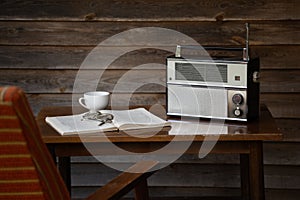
[(213, 88)]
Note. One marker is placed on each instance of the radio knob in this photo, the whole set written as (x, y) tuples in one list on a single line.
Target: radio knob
[(237, 99), (238, 112)]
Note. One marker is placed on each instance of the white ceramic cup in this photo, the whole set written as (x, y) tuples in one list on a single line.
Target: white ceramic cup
[(94, 101)]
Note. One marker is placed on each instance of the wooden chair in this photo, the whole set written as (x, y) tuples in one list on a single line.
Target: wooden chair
[(27, 170)]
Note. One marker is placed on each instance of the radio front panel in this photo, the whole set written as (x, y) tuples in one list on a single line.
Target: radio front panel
[(213, 89)]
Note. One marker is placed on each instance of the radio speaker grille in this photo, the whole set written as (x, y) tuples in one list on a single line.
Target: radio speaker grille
[(201, 72), (197, 101)]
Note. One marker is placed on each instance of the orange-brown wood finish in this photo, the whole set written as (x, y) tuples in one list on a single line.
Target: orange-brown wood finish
[(27, 171)]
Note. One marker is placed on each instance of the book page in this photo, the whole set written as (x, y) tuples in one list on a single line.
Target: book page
[(74, 124), (136, 119)]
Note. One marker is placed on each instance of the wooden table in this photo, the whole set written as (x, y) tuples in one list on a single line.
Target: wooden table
[(241, 138)]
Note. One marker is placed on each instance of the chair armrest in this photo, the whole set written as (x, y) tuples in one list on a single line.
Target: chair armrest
[(126, 181)]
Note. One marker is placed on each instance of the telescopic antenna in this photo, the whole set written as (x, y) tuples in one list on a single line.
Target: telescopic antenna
[(246, 50)]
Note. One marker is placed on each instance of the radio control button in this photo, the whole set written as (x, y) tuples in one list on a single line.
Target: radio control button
[(237, 99), (238, 112)]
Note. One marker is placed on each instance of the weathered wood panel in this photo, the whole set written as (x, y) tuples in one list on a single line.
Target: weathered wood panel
[(43, 43), (280, 81), (277, 57), (283, 105), (275, 153), (56, 57), (290, 128), (279, 159), (38, 101), (62, 81), (90, 33), (280, 105), (149, 10), (125, 81), (199, 175), (36, 57), (197, 193)]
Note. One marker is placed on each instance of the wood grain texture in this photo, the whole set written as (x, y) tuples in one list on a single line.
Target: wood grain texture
[(283, 105), (57, 57), (290, 128), (207, 176), (43, 44), (198, 193), (38, 101), (280, 81), (62, 81), (76, 10), (125, 81), (275, 153), (127, 181), (91, 33)]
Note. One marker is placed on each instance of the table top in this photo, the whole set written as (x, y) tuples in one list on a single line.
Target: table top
[(263, 129)]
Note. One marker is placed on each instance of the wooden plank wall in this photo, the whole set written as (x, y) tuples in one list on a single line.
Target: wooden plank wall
[(43, 44)]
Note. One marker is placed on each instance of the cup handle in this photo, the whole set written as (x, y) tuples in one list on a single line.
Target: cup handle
[(80, 100)]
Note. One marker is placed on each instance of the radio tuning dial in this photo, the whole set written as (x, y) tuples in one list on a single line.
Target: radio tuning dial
[(237, 99), (238, 112)]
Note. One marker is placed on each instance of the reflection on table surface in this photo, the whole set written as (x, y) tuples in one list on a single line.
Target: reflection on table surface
[(204, 127)]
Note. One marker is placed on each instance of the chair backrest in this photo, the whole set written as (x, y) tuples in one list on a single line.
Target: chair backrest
[(27, 170)]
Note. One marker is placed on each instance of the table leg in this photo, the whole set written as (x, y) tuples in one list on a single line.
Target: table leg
[(51, 150), (64, 167), (141, 190), (245, 181), (256, 171)]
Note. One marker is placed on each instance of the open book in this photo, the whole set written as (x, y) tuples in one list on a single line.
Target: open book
[(138, 118)]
